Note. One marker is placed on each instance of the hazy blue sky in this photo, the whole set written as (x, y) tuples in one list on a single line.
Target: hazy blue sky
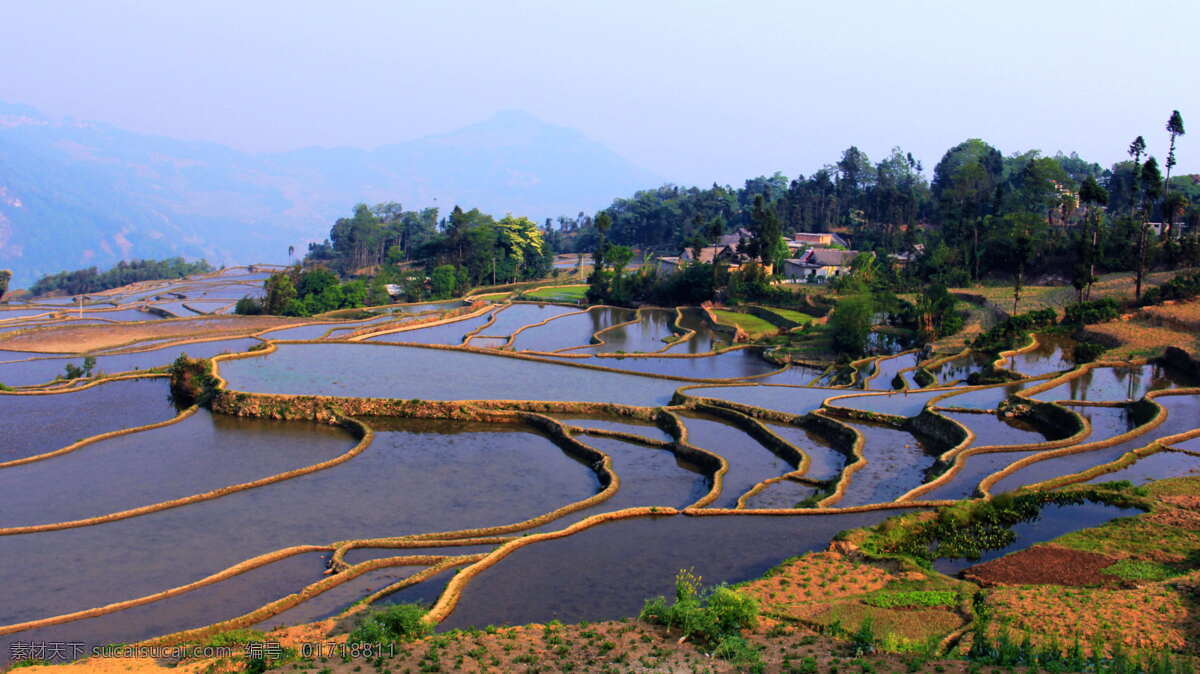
[(695, 91)]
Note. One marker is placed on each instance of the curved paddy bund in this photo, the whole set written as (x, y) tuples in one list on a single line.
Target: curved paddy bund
[(838, 428)]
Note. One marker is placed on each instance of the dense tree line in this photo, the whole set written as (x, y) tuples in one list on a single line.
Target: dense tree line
[(300, 292), (980, 214), (92, 280), (430, 256)]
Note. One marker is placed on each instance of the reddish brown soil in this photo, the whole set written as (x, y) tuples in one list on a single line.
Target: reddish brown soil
[(1044, 565)]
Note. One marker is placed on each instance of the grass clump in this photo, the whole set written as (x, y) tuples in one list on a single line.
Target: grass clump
[(401, 622), (912, 599), (714, 618), (1136, 569)]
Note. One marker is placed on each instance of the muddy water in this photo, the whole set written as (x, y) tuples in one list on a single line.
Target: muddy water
[(448, 333), (227, 599), (1106, 422), (782, 494), (571, 330), (896, 404), (896, 463), (1054, 521), (364, 370), (198, 454), (737, 364), (513, 317), (706, 338), (417, 477), (749, 461), (42, 423), (647, 335), (789, 399), (824, 462), (606, 572), (1117, 383), (1052, 354), (989, 431)]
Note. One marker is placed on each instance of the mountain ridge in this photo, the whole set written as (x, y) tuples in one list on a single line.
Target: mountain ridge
[(75, 194)]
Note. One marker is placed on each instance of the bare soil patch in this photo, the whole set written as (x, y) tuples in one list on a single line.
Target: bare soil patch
[(1044, 565), (84, 338)]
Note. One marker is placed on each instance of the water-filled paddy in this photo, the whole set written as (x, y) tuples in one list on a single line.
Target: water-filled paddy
[(608, 571), (35, 424), (733, 364), (636, 426), (571, 330), (789, 399), (960, 368), (1053, 353), (1106, 422), (1054, 521), (782, 494), (198, 454), (365, 370), (451, 333), (705, 339), (1117, 383), (824, 462), (749, 461), (647, 335), (1157, 466), (888, 368), (907, 404), (896, 463), (515, 316), (416, 477), (221, 601)]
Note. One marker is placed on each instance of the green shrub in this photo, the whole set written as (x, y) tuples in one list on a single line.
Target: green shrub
[(1182, 287), (710, 616), (1095, 311), (401, 622), (923, 377), (1004, 335)]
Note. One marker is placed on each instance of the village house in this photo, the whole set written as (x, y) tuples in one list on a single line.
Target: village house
[(818, 265)]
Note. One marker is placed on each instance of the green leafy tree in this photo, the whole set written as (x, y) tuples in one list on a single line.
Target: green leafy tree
[(850, 324), (280, 291), (1150, 184), (5, 277), (443, 279), (1093, 197)]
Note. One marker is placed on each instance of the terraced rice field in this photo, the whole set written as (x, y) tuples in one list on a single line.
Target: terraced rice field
[(501, 484)]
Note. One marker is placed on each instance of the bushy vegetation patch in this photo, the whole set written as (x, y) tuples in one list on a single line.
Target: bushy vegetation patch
[(192, 381), (968, 529), (714, 617), (1006, 334), (1095, 311), (1136, 569), (1182, 287), (402, 622), (912, 599)]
